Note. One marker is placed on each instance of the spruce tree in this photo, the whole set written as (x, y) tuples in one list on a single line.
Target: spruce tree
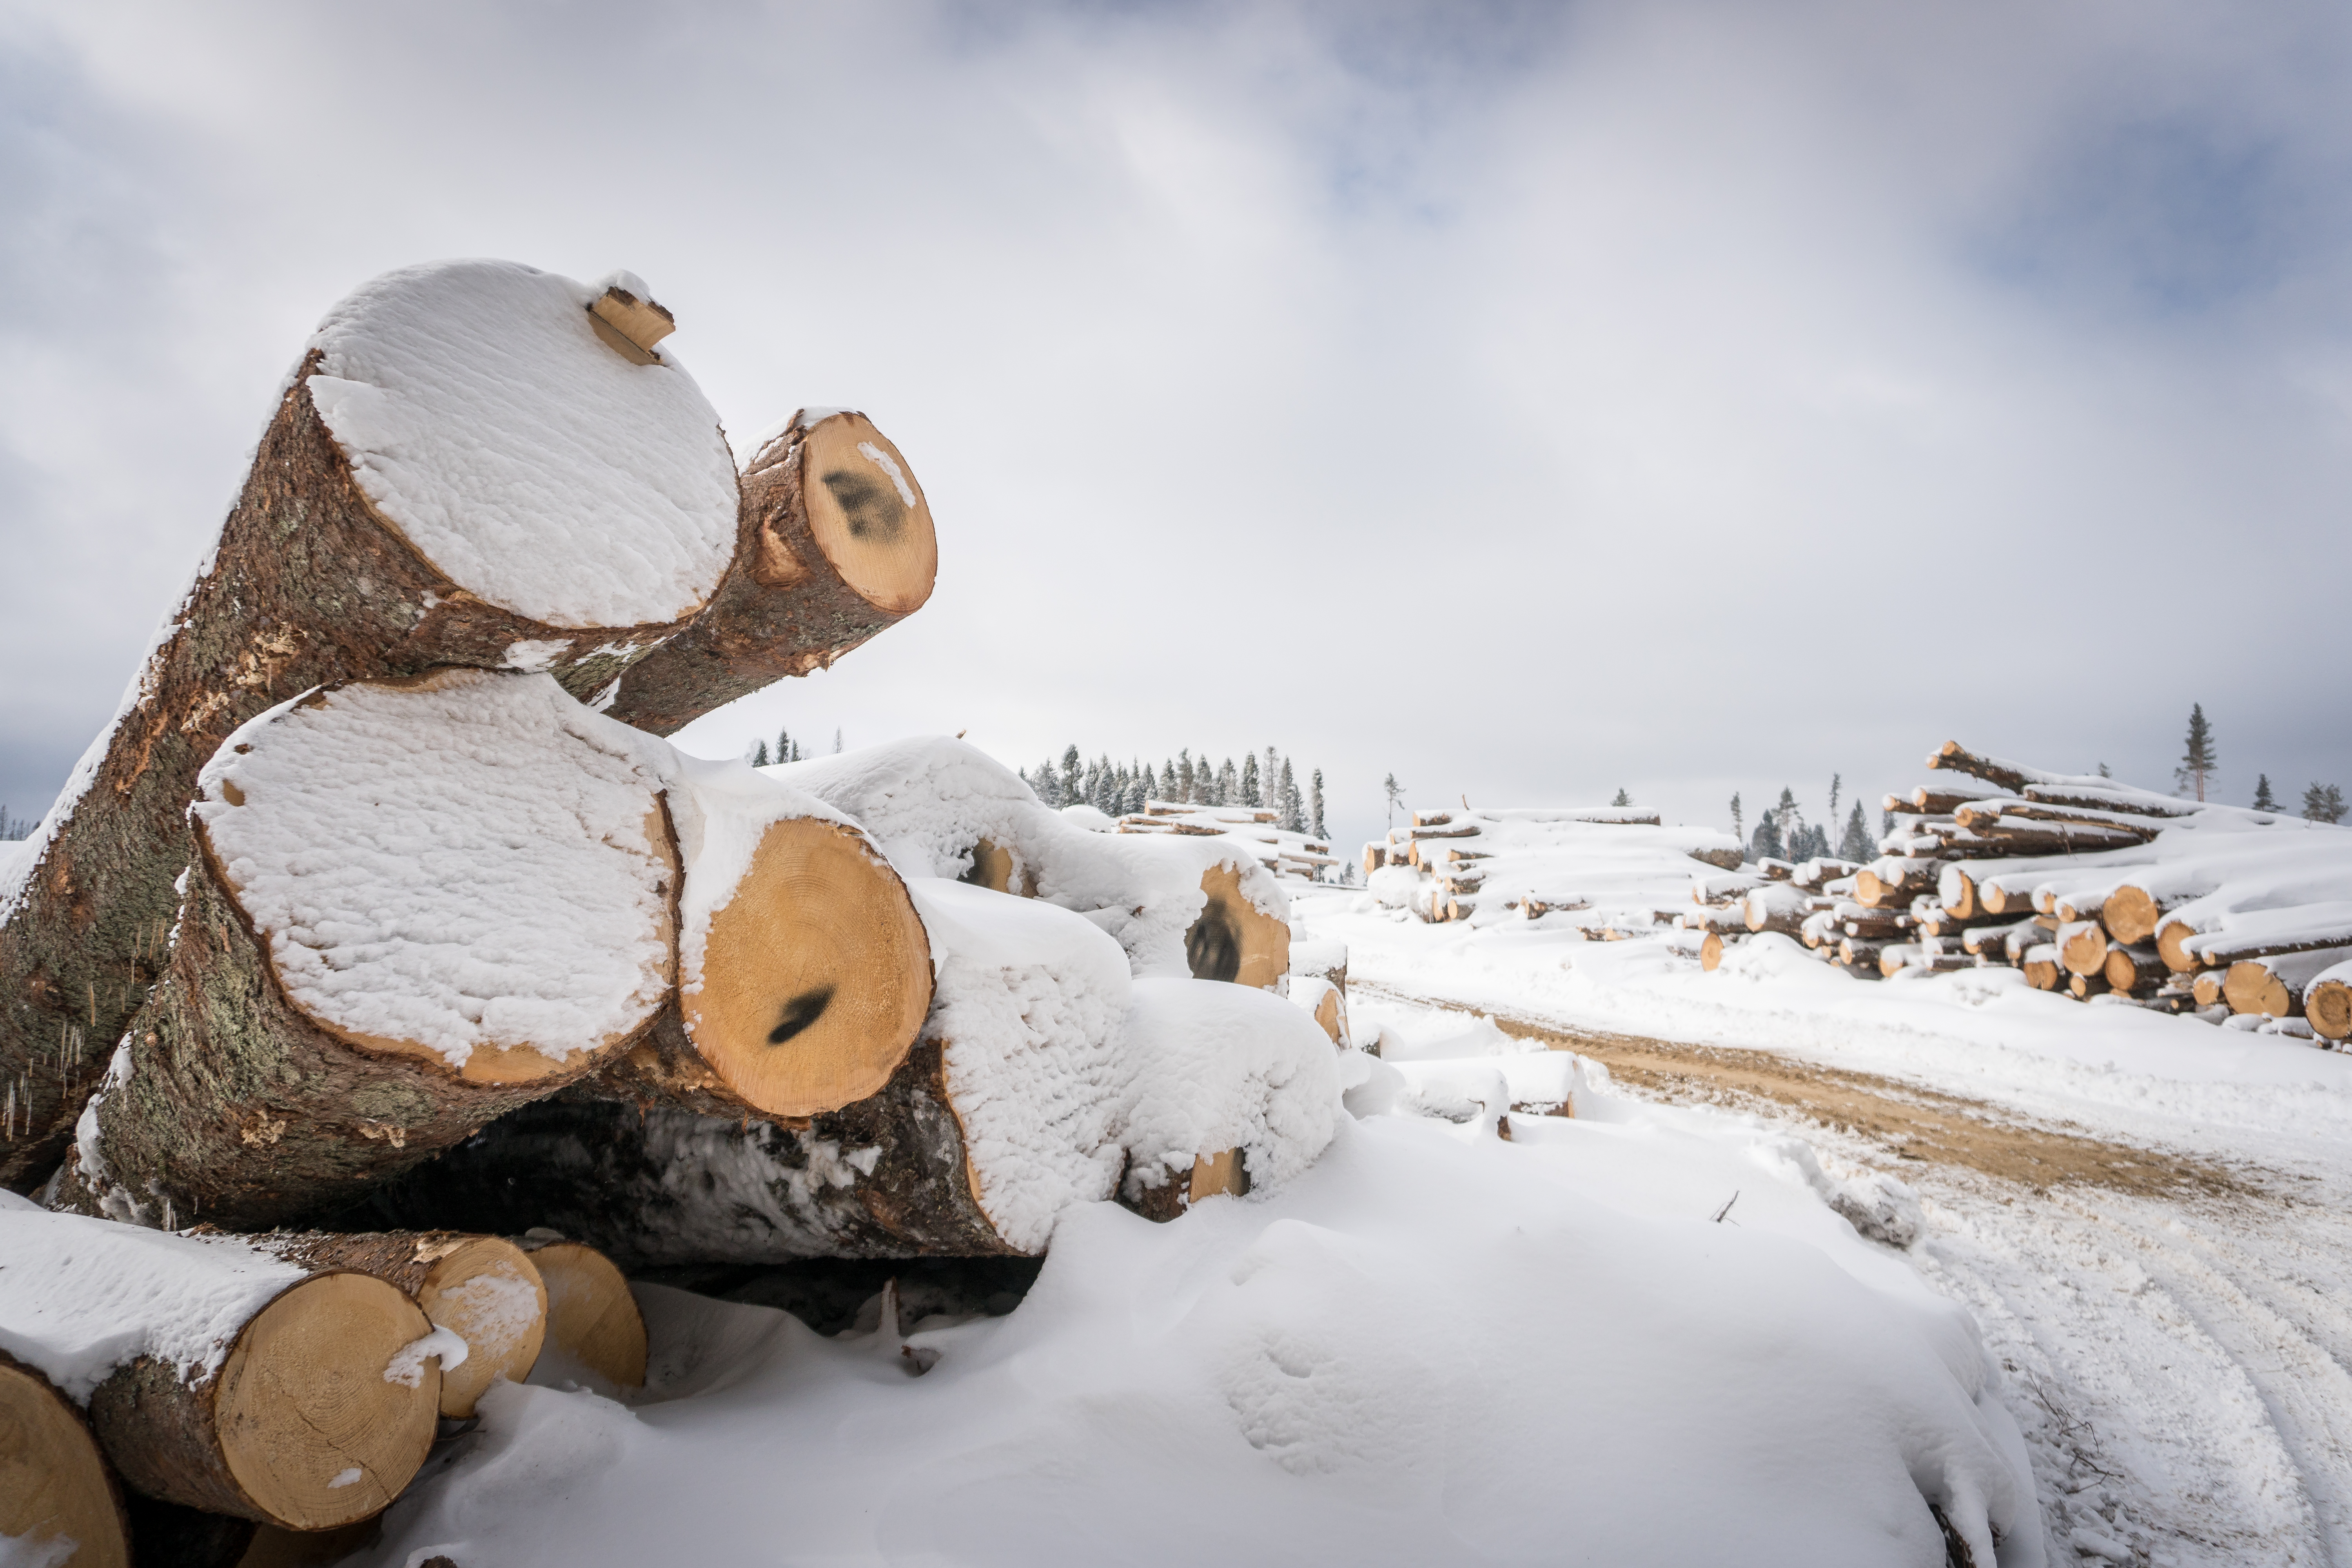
[(1766, 845), (1250, 795), (2199, 760), (1395, 792), (836, 739), (759, 755), (1228, 782), (2323, 802), (1294, 809), (1622, 798), (1072, 776), (2263, 801), (1856, 846), (1184, 778), (1837, 783), (1739, 826), (1047, 783), (1315, 807)]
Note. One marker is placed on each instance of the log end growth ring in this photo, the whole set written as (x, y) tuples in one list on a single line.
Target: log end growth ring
[(314, 1432), (868, 515), (53, 1483), (816, 974), (487, 1292)]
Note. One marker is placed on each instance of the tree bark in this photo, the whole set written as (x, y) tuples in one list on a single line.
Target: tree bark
[(300, 1401), (834, 543), (306, 586), (270, 1072)]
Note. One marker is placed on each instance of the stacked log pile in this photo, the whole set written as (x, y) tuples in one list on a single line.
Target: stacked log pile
[(1607, 872), (1300, 857), (2094, 888), (383, 898)]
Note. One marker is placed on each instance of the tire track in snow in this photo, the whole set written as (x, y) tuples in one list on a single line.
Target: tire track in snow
[(2178, 1337)]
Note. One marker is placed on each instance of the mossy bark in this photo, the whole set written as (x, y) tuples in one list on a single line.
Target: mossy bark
[(237, 1109), (308, 586)]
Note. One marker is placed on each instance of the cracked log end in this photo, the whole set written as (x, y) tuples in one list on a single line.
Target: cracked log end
[(631, 326), (816, 974)]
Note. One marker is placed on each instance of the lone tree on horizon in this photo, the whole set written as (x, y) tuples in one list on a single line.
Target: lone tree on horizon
[(2200, 762), (2263, 801)]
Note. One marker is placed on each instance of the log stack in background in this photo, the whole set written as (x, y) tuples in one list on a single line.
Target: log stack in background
[(2094, 888), (1608, 871)]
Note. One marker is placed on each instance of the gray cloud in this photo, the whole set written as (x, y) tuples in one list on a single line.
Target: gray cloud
[(1530, 400)]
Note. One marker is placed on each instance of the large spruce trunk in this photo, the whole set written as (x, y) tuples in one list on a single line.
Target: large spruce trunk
[(308, 584)]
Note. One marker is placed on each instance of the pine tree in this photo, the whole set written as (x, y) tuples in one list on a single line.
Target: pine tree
[(1250, 795), (1072, 776), (2199, 761), (1315, 808), (1294, 809), (2323, 802), (1739, 827), (1395, 793), (1856, 846), (1047, 783), (1766, 845), (1837, 782), (1228, 782), (1184, 778), (759, 755), (1622, 798), (1166, 788), (2263, 801)]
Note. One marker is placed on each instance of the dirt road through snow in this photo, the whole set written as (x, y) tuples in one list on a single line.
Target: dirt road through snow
[(2178, 1329)]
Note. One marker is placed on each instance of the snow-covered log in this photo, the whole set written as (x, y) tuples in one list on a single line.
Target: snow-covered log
[(2276, 984), (835, 544), (2082, 947), (1207, 906), (482, 1289), (1777, 906), (220, 1377), (2040, 963), (2135, 970), (2327, 1002), (59, 1499), (415, 906), (460, 472), (1005, 1111), (2276, 932), (1895, 880)]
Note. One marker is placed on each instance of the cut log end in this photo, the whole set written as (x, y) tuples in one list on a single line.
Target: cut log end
[(2130, 914), (2329, 1006), (638, 324), (2250, 986), (1234, 940), (486, 1291), (54, 1485), (1710, 951), (315, 1422), (868, 515), (816, 974), (591, 1315), (992, 866)]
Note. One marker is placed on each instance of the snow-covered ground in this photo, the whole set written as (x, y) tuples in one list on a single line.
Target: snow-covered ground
[(1435, 1346), (2181, 1364)]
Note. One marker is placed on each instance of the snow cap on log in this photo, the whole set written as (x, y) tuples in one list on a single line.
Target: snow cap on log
[(220, 1378), (484, 416), (469, 867), (1222, 1067), (940, 807)]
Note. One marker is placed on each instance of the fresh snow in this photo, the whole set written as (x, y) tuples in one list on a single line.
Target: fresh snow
[(79, 1296), (464, 864), (927, 801), (1432, 1346), (1030, 1011), (538, 468), (1221, 1067)]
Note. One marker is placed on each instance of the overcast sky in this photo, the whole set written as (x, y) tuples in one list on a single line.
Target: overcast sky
[(1531, 400)]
